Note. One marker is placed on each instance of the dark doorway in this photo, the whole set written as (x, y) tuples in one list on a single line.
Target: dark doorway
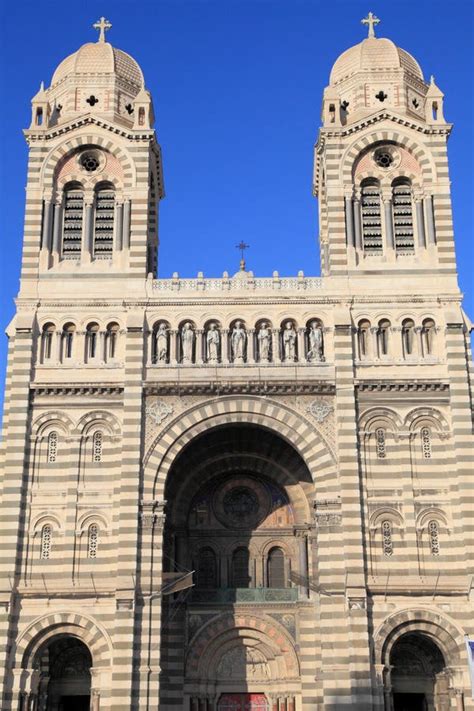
[(409, 702), (74, 703)]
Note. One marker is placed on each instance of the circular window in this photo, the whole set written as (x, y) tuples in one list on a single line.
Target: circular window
[(383, 159), (240, 503), (90, 162)]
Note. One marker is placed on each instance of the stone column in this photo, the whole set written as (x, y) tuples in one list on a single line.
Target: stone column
[(173, 342), (389, 239), (57, 227), (46, 227), (349, 216), (430, 224), (126, 224), (118, 224), (199, 346), (420, 222), (88, 235), (301, 345), (303, 558), (276, 355), (357, 224), (225, 345), (251, 345)]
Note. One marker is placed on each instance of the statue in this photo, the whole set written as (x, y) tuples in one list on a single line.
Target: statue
[(239, 339), (187, 341), (212, 341), (289, 342), (263, 337), (161, 353), (315, 338)]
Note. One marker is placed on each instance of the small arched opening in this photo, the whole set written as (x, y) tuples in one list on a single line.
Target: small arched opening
[(63, 666), (418, 674)]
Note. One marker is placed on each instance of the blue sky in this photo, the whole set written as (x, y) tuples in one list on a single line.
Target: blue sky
[(237, 87)]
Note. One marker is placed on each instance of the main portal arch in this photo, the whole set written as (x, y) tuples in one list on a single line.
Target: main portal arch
[(239, 505)]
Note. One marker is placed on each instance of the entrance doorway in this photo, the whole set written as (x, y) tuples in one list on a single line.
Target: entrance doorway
[(74, 703), (409, 702), (243, 702)]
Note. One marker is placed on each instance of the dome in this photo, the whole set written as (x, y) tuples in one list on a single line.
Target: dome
[(373, 53), (96, 58)]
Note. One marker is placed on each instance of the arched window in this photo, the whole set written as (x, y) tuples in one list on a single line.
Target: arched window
[(207, 569), (428, 331), (46, 540), (111, 340), (92, 540), (408, 337), (403, 216), (240, 568), (276, 568), (363, 335), (73, 221), (47, 341), (52, 452), (68, 340), (104, 221), (92, 340), (371, 217), (97, 441), (383, 337), (433, 532), (387, 542), (380, 443), (426, 442)]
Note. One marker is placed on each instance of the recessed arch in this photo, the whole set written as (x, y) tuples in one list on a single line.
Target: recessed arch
[(253, 410)]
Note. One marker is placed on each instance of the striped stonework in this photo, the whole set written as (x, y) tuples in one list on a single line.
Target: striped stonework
[(194, 510)]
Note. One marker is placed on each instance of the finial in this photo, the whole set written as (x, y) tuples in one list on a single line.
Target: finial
[(103, 26), (242, 247), (42, 86), (371, 20), (432, 80)]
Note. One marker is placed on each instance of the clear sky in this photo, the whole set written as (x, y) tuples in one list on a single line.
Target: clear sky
[(237, 88)]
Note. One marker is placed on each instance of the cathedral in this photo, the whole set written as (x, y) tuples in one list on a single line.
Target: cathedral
[(240, 493)]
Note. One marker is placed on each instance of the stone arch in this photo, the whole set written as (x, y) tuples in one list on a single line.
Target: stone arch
[(421, 415), (73, 144), (226, 629), (387, 135), (283, 421), (52, 419), (383, 416), (98, 417), (386, 513), (63, 623), (438, 627)]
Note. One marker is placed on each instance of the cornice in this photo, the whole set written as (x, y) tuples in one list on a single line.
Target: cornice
[(248, 387), (54, 132), (385, 386), (75, 389), (343, 131)]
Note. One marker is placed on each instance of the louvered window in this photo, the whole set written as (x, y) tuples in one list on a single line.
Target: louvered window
[(240, 568), (403, 218), (371, 219), (276, 569), (207, 569), (104, 224), (72, 226)]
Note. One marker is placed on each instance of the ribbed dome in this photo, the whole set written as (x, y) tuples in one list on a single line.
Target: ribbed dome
[(96, 58), (377, 53)]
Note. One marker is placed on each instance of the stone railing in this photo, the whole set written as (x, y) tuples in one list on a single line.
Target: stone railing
[(229, 595), (242, 281)]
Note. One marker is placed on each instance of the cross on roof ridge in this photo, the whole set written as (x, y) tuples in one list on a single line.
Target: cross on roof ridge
[(103, 26), (371, 20)]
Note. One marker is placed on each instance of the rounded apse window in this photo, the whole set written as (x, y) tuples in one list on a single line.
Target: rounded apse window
[(89, 162), (384, 159)]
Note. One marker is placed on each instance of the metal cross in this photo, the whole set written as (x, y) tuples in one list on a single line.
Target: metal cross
[(103, 26), (371, 20), (242, 246)]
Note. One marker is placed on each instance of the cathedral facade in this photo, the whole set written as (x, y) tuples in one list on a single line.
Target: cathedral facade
[(237, 493)]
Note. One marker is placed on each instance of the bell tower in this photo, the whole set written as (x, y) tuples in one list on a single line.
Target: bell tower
[(381, 169), (95, 175)]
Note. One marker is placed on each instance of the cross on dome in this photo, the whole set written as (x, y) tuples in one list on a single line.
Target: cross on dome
[(242, 247), (371, 20), (103, 26)]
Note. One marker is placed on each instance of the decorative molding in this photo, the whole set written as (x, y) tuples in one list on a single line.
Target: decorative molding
[(239, 283), (319, 409), (89, 389), (158, 411), (250, 387), (385, 386)]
